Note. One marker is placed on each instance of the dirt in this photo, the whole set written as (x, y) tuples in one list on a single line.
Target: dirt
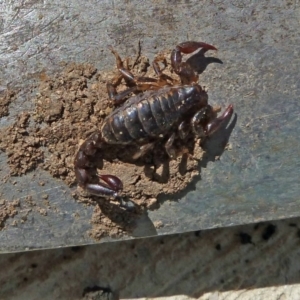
[(5, 99), (71, 105), (21, 145), (8, 210)]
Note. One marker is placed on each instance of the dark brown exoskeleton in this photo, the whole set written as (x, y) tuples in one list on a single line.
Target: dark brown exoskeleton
[(161, 110)]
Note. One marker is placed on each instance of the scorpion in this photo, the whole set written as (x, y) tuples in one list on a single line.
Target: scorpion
[(157, 110)]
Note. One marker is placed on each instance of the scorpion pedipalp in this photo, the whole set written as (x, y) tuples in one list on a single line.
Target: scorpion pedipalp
[(183, 69), (203, 125), (216, 123)]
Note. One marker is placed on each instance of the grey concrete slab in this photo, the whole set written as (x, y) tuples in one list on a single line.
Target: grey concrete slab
[(258, 179), (244, 262)]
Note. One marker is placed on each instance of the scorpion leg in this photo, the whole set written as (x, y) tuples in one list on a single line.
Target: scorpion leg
[(183, 129), (143, 150), (83, 160), (169, 146), (118, 97), (183, 69), (141, 83), (163, 79)]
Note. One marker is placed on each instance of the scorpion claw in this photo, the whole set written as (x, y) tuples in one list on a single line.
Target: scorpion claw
[(215, 124), (191, 46), (186, 73)]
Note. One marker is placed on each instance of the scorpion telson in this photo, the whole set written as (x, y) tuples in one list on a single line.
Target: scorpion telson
[(160, 110)]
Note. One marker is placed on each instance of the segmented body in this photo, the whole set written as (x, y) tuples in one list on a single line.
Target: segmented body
[(152, 114)]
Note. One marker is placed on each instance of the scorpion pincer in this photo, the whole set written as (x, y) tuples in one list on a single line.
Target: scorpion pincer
[(160, 110)]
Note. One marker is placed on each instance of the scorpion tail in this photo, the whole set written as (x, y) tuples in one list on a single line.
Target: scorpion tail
[(111, 185)]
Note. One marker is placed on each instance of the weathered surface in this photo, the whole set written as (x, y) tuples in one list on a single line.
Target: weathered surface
[(259, 46), (238, 263)]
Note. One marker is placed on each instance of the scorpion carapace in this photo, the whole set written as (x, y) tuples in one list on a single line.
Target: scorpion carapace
[(160, 110)]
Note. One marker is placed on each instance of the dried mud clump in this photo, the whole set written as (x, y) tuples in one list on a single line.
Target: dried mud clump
[(6, 98), (7, 210), (71, 105), (22, 145)]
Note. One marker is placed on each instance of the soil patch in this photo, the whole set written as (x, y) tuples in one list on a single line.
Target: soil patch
[(6, 97)]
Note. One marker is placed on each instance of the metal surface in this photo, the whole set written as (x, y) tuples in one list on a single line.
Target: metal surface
[(259, 43)]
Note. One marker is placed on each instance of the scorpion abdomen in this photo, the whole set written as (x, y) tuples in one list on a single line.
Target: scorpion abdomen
[(152, 114)]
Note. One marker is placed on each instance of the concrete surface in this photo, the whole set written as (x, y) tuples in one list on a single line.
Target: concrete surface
[(258, 43), (260, 261)]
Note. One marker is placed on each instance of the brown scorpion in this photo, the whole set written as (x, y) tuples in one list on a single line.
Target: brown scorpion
[(161, 110)]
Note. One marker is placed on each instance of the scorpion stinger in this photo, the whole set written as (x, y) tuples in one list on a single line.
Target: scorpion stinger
[(112, 184)]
